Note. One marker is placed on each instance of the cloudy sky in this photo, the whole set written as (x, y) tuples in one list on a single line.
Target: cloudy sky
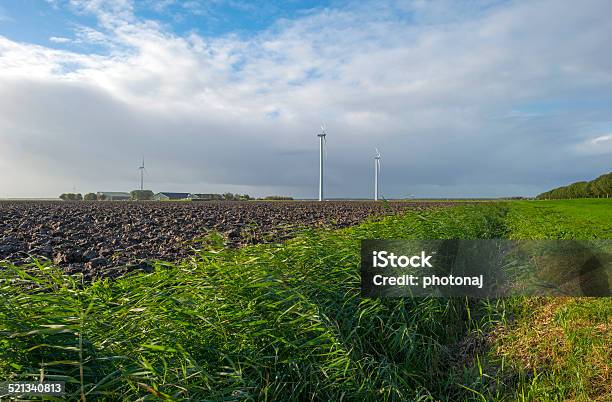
[(478, 98)]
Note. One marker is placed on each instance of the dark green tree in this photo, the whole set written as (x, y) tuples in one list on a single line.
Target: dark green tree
[(71, 197), (600, 187), (141, 195)]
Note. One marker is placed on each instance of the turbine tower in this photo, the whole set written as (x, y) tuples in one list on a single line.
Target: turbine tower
[(142, 170), (322, 144), (376, 173)]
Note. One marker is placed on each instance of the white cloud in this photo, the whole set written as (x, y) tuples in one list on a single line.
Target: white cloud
[(600, 145), (59, 39), (423, 92), (92, 36), (602, 139)]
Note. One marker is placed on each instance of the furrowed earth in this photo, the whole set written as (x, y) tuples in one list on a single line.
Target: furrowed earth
[(113, 238)]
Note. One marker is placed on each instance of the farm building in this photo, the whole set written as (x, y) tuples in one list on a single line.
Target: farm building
[(198, 196), (112, 195), (163, 196)]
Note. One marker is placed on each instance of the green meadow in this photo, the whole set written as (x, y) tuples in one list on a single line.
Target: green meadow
[(286, 322)]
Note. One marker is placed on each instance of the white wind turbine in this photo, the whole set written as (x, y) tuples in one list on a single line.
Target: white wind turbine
[(322, 145), (142, 170), (376, 173)]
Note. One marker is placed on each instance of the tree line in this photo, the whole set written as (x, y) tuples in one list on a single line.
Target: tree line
[(87, 197), (601, 187)]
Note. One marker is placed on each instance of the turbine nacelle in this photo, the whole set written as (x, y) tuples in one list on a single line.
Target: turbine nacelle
[(323, 132)]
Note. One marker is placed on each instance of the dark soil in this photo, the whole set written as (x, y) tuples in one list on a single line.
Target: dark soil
[(111, 238)]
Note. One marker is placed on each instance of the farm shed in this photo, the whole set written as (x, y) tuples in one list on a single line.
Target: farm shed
[(164, 196), (113, 195)]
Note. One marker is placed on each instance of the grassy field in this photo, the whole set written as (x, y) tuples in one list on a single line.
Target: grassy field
[(286, 322), (557, 348), (561, 219)]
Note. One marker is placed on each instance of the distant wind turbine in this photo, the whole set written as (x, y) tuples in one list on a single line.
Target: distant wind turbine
[(376, 173), (142, 170), (322, 145)]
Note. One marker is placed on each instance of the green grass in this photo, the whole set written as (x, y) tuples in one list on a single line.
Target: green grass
[(561, 219), (286, 322), (557, 349)]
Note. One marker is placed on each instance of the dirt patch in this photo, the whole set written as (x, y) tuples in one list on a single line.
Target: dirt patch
[(111, 238)]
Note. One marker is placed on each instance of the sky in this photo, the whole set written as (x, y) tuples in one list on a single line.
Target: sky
[(462, 98)]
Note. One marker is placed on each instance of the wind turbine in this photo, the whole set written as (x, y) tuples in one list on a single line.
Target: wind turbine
[(142, 170), (376, 173), (322, 144)]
